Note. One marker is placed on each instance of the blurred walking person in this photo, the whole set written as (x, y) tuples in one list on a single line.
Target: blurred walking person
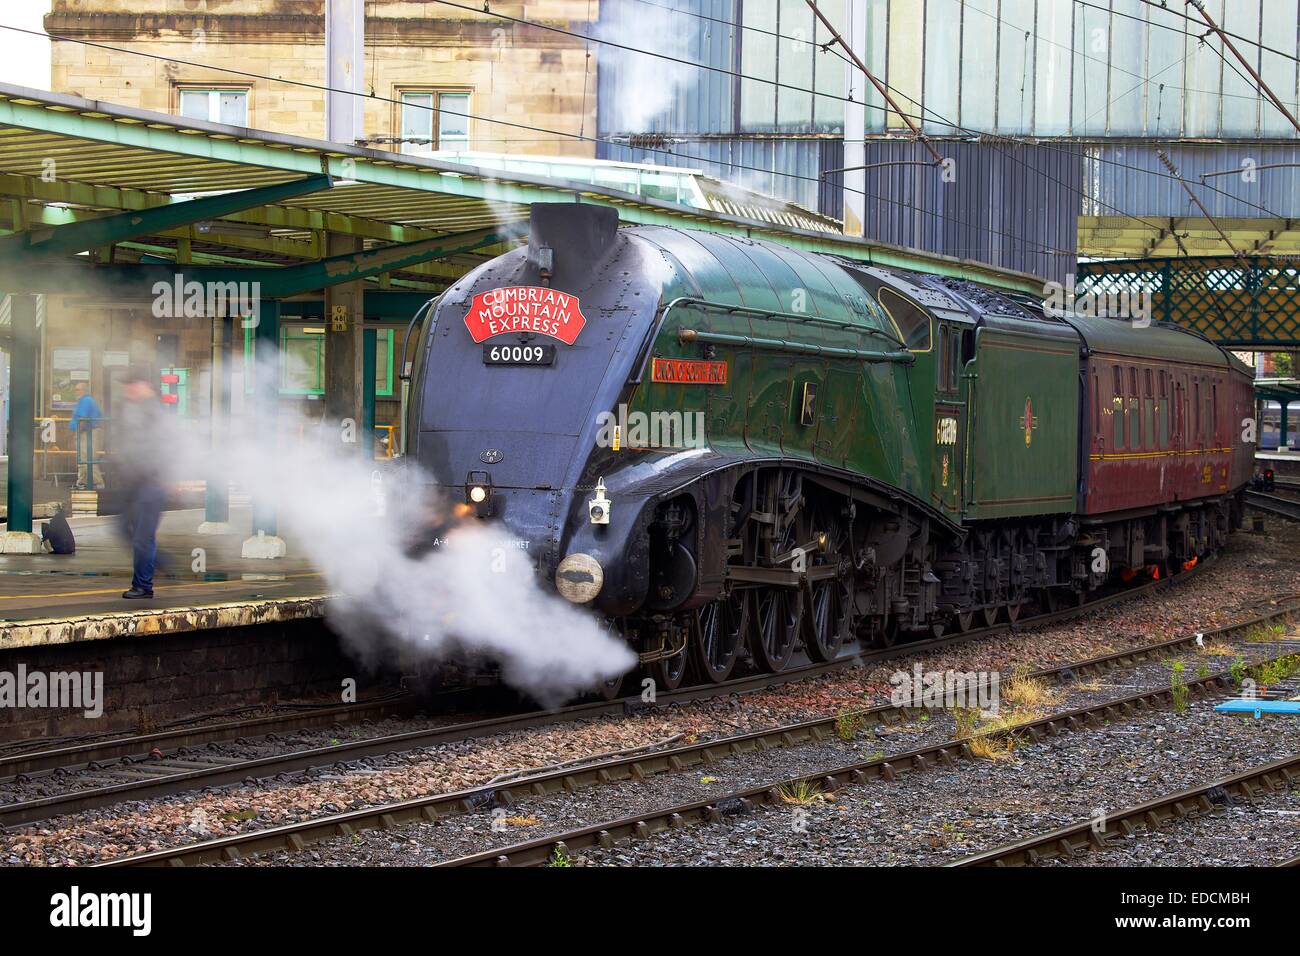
[(87, 416), (139, 444)]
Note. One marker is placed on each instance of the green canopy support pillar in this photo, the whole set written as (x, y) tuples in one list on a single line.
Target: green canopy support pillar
[(1282, 424), (216, 497), (23, 362), (265, 542), (368, 349)]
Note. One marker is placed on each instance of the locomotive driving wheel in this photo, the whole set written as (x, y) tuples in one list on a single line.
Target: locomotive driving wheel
[(830, 618), (774, 632), (669, 673), (718, 633), (611, 689), (777, 612)]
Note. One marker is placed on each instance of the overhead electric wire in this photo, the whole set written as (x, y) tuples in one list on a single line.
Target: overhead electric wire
[(556, 134), (1030, 246), (912, 116)]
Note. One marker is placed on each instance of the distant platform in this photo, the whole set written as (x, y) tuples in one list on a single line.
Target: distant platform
[(59, 599), (1285, 463)]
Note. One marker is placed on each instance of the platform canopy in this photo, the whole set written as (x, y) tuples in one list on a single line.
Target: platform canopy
[(130, 194), (1281, 390)]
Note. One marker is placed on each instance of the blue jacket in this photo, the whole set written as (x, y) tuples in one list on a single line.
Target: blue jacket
[(88, 409)]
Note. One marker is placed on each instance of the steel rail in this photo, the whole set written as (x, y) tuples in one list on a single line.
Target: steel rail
[(296, 836), (1273, 504), (1084, 837), (185, 778), (714, 809), (15, 766)]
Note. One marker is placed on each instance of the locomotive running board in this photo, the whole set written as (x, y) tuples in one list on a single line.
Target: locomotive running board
[(777, 577)]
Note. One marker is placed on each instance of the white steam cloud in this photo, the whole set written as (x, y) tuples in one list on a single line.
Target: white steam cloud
[(476, 596), (647, 85)]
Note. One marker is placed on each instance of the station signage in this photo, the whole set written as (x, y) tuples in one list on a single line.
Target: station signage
[(530, 309)]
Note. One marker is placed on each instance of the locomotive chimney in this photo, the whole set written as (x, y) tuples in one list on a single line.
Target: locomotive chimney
[(566, 240)]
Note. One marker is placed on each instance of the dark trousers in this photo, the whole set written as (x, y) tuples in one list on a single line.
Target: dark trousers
[(140, 514)]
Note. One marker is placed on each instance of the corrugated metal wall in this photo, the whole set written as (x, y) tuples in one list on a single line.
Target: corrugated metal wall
[(1131, 178), (1012, 205)]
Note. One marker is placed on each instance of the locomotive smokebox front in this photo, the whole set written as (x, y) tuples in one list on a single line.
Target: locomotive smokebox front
[(518, 359)]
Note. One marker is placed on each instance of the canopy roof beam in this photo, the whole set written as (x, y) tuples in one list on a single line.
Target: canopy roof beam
[(105, 230), (139, 280)]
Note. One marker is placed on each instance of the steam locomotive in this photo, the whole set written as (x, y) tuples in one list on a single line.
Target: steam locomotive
[(732, 450)]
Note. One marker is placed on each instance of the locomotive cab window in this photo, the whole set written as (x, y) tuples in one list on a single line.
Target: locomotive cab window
[(912, 323), (949, 365)]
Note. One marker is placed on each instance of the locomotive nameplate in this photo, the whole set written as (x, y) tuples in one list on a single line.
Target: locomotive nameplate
[(518, 354), (525, 309), (688, 372)]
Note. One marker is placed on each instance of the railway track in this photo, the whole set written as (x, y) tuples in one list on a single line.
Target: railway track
[(1288, 508), (641, 765), (716, 808), (149, 776), (18, 761), (1085, 837)]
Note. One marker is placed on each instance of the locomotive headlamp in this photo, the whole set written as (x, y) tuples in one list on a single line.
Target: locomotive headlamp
[(478, 492), (598, 507)]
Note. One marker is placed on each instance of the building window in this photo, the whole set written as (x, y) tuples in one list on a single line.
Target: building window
[(229, 106), (433, 120)]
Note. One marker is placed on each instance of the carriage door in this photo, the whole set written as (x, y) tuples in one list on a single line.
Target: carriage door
[(949, 412)]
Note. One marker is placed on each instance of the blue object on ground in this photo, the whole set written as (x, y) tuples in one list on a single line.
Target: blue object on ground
[(1244, 705)]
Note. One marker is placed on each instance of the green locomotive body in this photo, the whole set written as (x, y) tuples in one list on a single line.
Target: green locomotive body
[(785, 449)]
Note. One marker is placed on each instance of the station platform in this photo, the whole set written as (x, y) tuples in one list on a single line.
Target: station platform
[(49, 599), (1282, 462)]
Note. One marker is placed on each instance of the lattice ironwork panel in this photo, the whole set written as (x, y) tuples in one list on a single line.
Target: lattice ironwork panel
[(1250, 302)]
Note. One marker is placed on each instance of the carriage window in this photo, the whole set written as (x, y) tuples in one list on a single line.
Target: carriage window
[(1196, 410), (913, 325), (1117, 406), (1096, 406), (1134, 411), (1214, 412), (1180, 406)]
